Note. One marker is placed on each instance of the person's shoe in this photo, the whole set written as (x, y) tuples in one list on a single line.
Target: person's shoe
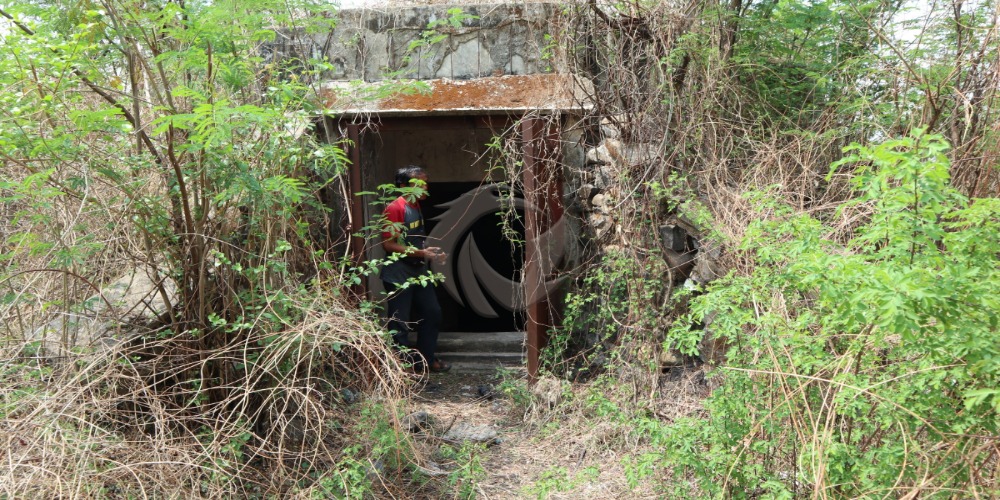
[(438, 366)]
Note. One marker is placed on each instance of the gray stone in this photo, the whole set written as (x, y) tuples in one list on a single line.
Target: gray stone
[(433, 469), (674, 243), (673, 237), (712, 349), (376, 56), (615, 151), (586, 193), (574, 152), (670, 358), (634, 154), (601, 360), (376, 470), (348, 396), (98, 318), (466, 432), (599, 202), (548, 392), (603, 176), (467, 60), (706, 263), (517, 65), (601, 224), (680, 263), (417, 421), (609, 130), (599, 155)]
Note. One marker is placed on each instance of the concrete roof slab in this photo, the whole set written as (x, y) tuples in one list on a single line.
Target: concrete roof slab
[(507, 94)]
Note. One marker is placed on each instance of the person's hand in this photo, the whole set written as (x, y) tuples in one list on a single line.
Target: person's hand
[(435, 253)]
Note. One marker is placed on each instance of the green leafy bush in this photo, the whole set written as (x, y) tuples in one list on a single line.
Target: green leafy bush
[(609, 316), (861, 368), (175, 141)]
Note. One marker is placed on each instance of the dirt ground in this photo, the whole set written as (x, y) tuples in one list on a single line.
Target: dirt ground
[(547, 453)]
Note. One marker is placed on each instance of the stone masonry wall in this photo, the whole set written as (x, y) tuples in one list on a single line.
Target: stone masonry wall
[(491, 40)]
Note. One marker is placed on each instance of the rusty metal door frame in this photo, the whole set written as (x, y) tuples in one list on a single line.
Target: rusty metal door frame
[(542, 189), (542, 182)]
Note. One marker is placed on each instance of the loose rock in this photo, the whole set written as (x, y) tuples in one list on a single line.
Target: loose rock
[(487, 391), (548, 392), (348, 396), (671, 358), (464, 431), (433, 469), (417, 421)]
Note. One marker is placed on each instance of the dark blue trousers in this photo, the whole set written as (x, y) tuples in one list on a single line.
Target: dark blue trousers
[(414, 306)]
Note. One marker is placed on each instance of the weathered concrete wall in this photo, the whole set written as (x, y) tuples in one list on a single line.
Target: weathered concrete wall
[(491, 40), (96, 323)]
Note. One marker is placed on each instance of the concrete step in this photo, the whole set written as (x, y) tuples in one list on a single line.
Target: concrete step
[(506, 342), (481, 352), (482, 362)]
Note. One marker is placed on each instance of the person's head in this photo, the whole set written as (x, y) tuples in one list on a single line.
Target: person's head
[(412, 176)]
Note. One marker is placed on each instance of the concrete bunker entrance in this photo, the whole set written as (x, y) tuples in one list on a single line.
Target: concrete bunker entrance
[(455, 154), (496, 295), (468, 214)]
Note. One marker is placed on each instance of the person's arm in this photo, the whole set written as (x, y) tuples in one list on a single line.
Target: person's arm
[(391, 246), (395, 214)]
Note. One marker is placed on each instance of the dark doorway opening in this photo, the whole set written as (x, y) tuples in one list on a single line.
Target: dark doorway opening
[(455, 151), (504, 253)]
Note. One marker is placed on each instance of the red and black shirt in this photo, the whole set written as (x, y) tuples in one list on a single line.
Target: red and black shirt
[(406, 226)]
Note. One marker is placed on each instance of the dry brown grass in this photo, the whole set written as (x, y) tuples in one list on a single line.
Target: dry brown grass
[(123, 422), (577, 450), (570, 450)]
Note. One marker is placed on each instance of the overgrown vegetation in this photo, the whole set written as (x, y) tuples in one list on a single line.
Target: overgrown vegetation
[(847, 256), (169, 144), (853, 291), (865, 368)]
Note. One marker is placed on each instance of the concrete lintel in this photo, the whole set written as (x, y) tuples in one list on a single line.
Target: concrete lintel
[(395, 113), (502, 95)]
